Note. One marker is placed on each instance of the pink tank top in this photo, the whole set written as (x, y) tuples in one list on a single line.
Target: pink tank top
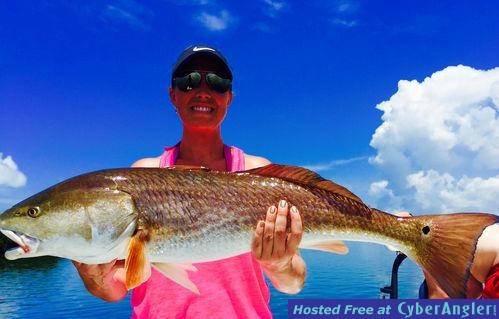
[(230, 288)]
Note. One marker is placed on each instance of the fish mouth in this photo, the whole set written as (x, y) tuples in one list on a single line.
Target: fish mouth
[(27, 245)]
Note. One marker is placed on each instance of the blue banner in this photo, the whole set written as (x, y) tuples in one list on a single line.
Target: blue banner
[(393, 308)]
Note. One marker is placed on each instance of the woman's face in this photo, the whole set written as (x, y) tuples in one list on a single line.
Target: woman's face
[(201, 107)]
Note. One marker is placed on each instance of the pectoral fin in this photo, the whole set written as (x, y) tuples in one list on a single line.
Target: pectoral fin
[(330, 246), (178, 273), (137, 268)]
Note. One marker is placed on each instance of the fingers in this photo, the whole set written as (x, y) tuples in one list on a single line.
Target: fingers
[(272, 238), (256, 244), (279, 248), (268, 233), (97, 269), (296, 233)]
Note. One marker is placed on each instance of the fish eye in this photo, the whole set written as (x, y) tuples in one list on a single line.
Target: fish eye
[(426, 229), (33, 212)]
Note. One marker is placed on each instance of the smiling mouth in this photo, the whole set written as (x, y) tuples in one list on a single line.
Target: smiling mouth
[(26, 244), (204, 109)]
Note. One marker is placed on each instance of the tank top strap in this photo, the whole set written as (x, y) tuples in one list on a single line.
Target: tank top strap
[(169, 156), (234, 158)]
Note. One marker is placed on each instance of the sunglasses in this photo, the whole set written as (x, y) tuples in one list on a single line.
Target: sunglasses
[(193, 80)]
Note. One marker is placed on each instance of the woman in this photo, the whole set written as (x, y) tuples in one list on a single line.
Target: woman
[(201, 92)]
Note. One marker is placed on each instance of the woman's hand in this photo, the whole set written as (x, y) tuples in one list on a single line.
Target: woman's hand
[(106, 281), (276, 248)]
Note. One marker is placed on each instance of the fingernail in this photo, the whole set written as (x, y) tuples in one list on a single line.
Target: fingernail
[(272, 209), (261, 224), (282, 203), (294, 210)]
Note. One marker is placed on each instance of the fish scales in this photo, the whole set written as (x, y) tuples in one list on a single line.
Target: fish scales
[(186, 206)]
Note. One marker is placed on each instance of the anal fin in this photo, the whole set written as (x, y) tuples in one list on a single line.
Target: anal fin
[(330, 246), (178, 273)]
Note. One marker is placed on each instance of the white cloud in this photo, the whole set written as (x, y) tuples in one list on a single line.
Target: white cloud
[(439, 140), (10, 175), (345, 13), (334, 163), (384, 197), (347, 6), (214, 22), (190, 2), (273, 7), (443, 192), (127, 12), (344, 22), (380, 188), (263, 27)]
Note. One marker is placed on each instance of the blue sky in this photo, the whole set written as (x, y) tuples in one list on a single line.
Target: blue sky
[(398, 100)]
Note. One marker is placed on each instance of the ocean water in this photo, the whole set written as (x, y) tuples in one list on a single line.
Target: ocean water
[(51, 288)]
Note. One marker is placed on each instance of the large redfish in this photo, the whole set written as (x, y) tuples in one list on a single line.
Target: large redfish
[(175, 217)]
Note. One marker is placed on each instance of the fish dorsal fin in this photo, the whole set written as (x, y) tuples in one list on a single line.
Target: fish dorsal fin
[(189, 168), (178, 273), (303, 176), (137, 268)]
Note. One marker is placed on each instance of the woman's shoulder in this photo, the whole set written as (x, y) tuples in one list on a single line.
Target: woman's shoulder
[(147, 162), (251, 161)]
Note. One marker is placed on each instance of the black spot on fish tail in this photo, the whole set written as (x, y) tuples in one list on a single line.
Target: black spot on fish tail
[(426, 230)]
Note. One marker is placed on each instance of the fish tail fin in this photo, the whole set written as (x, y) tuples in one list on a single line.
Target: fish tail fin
[(137, 268), (447, 249)]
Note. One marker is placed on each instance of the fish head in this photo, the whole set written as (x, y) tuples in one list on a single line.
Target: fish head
[(82, 222)]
